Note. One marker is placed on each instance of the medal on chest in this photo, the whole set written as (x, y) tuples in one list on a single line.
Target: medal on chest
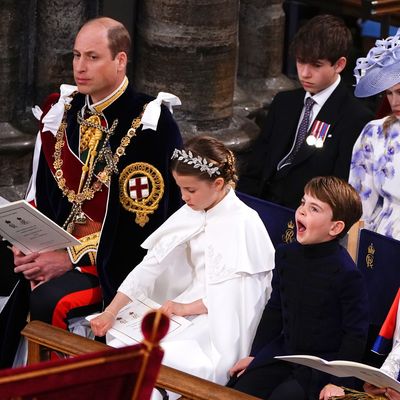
[(318, 134)]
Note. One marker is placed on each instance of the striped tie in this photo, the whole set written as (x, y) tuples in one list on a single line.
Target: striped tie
[(301, 133)]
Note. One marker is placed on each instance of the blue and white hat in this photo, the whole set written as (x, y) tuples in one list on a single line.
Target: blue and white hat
[(380, 70)]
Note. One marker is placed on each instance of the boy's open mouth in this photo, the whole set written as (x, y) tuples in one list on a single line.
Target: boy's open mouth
[(300, 227)]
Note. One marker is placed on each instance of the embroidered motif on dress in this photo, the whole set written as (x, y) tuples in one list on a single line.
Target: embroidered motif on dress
[(219, 270)]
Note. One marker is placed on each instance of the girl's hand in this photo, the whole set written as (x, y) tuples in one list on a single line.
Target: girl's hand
[(240, 366), (102, 323), (330, 390), (197, 307), (171, 307)]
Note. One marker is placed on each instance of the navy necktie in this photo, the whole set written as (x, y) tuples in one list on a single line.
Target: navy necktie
[(301, 133)]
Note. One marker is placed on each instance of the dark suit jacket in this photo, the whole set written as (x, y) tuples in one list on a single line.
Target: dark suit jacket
[(346, 115), (318, 307)]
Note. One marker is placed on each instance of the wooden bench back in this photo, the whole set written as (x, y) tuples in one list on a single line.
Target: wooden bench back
[(41, 337)]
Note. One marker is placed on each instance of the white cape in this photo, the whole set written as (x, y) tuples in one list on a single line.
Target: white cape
[(239, 258)]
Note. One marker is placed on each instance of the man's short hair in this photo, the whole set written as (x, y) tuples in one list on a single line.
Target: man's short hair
[(343, 199), (119, 40), (324, 37), (118, 36)]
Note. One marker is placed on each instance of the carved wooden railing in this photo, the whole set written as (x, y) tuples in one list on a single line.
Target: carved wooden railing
[(42, 337)]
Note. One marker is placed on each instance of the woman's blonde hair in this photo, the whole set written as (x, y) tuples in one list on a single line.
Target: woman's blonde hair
[(389, 121)]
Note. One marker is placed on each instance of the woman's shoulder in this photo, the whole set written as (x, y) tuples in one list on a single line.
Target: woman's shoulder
[(377, 122)]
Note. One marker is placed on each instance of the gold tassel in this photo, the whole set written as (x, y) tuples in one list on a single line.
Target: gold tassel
[(351, 394)]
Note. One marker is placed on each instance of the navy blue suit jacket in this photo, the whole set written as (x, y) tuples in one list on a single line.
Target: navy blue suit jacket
[(346, 116), (318, 306)]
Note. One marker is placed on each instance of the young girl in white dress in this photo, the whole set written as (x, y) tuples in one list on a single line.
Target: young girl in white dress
[(212, 259)]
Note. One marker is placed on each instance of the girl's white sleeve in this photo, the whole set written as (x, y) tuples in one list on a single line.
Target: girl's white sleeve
[(142, 278)]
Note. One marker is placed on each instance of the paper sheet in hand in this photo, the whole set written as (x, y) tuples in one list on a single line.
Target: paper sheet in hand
[(343, 369), (127, 326), (31, 231)]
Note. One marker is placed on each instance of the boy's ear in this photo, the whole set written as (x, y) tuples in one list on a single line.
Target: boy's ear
[(337, 228), (340, 64)]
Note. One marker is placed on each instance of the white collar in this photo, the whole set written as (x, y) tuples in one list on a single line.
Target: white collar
[(321, 97)]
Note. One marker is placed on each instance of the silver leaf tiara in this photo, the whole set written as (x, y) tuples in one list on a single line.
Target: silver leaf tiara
[(196, 161)]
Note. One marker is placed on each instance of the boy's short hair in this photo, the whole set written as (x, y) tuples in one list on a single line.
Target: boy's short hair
[(324, 37), (343, 199)]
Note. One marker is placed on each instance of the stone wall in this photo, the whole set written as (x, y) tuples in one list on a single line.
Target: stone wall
[(190, 48)]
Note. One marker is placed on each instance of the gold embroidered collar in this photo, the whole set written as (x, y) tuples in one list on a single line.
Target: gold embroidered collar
[(101, 105)]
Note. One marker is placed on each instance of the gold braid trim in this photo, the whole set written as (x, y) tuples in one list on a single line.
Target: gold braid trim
[(88, 244), (89, 188), (141, 207)]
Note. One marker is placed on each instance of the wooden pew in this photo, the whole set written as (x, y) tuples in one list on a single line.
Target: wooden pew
[(381, 7), (42, 336), (358, 8), (387, 12), (353, 238)]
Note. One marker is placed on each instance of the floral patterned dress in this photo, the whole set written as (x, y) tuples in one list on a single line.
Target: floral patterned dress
[(375, 174)]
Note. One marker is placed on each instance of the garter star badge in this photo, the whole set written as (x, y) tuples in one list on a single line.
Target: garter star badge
[(141, 187)]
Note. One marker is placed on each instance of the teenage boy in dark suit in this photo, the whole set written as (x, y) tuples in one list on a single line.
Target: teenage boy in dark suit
[(297, 142)]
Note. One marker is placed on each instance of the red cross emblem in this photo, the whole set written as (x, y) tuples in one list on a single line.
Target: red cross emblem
[(139, 187)]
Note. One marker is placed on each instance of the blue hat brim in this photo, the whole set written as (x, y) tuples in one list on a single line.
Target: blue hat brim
[(377, 79)]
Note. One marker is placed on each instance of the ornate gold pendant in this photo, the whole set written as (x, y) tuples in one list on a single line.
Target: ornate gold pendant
[(80, 218)]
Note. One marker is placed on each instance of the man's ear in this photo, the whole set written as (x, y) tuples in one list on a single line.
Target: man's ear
[(337, 228), (122, 59), (340, 64)]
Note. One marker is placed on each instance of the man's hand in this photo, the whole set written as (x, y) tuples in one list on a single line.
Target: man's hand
[(392, 394), (240, 366), (41, 267), (330, 390), (387, 392)]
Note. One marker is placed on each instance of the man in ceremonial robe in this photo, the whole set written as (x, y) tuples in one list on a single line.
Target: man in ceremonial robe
[(101, 170)]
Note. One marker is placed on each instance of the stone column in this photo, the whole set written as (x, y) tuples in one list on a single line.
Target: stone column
[(15, 146), (58, 22), (261, 40), (189, 48), (36, 39)]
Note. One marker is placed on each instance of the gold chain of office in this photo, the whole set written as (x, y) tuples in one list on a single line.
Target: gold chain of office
[(87, 189)]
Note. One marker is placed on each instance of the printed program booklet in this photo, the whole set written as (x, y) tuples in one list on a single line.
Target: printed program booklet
[(127, 326), (31, 231), (344, 369)]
